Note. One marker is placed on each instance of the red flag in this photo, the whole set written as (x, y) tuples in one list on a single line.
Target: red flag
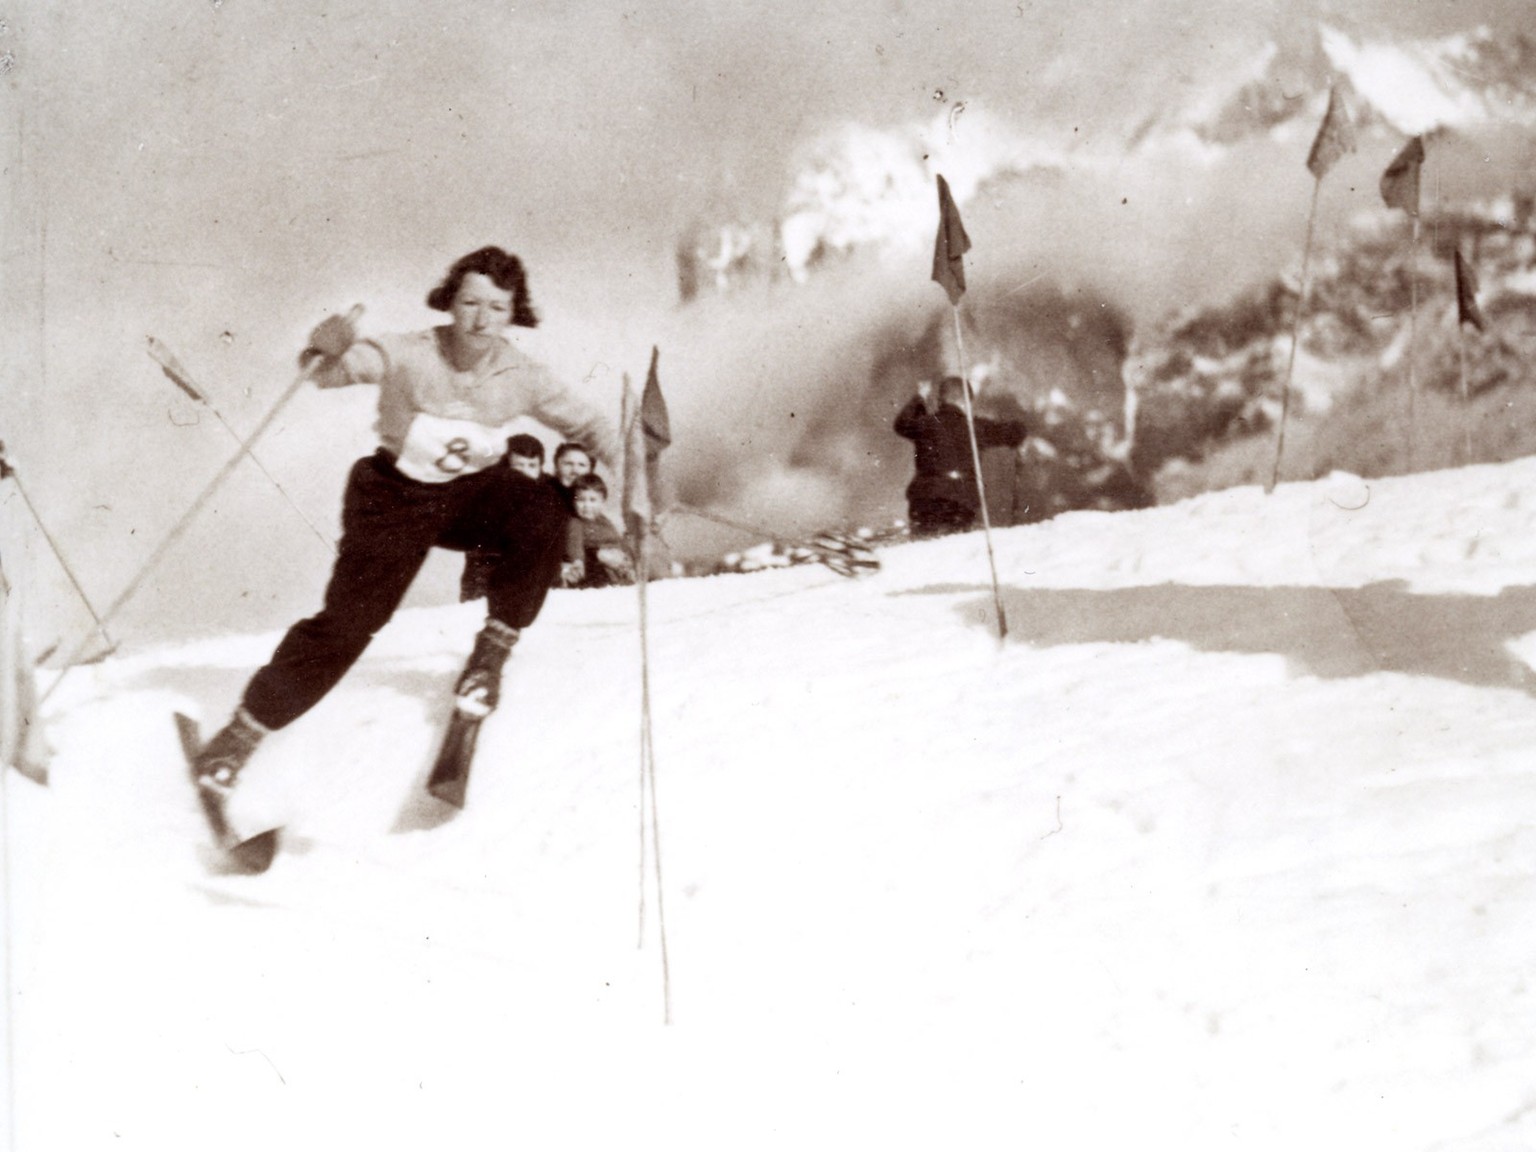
[(950, 247), (1335, 137), (1400, 182), (647, 431), (1467, 311)]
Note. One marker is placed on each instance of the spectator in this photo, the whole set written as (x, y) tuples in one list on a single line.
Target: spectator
[(525, 454), (571, 460), (605, 555), (943, 496)]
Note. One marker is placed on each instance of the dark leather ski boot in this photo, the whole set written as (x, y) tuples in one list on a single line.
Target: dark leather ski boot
[(479, 686), (219, 763)]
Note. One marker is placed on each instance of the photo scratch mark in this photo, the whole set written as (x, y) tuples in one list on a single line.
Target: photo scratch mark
[(370, 154), (954, 119), (1059, 825), (258, 1052), (1352, 507), (358, 83), (1016, 290)]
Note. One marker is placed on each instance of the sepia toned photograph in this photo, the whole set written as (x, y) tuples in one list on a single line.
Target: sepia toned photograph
[(882, 575)]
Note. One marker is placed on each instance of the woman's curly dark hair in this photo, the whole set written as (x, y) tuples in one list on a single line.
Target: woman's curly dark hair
[(502, 269)]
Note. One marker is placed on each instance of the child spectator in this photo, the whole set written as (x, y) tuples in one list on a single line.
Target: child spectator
[(605, 557)]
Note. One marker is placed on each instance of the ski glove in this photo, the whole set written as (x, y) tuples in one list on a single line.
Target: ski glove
[(333, 336)]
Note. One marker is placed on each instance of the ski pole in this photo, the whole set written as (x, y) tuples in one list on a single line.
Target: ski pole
[(186, 519), (8, 472), (179, 376)]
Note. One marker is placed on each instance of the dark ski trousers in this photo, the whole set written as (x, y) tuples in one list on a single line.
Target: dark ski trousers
[(389, 524)]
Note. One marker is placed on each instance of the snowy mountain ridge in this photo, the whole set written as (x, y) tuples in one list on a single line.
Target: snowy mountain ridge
[(858, 187), (1467, 81)]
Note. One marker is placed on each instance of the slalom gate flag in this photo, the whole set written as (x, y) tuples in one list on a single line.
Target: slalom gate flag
[(653, 413), (1467, 311), (950, 246), (647, 431), (1335, 137), (1400, 182)]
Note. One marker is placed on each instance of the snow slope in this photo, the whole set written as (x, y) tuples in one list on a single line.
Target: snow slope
[(1228, 846)]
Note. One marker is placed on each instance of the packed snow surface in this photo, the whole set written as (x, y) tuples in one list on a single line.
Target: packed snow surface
[(1228, 845)]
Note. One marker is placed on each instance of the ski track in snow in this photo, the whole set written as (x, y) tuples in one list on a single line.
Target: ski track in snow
[(1226, 846)]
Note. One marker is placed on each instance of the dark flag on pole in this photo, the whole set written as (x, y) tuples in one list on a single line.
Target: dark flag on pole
[(950, 247), (653, 413), (1467, 311), (1400, 182), (647, 431), (1335, 137)]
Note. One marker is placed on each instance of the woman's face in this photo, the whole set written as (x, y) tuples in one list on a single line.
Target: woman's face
[(480, 310), (571, 465)]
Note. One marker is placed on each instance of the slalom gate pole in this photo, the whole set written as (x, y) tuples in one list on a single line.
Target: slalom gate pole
[(981, 488), (7, 964), (59, 556), (1413, 339), (645, 734), (648, 781), (638, 521), (1290, 364), (187, 517), (1466, 395)]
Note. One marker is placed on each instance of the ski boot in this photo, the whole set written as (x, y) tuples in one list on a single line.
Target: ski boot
[(215, 767), (476, 694), (479, 688), (218, 764)]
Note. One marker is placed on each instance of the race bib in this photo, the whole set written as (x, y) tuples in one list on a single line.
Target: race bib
[(438, 449)]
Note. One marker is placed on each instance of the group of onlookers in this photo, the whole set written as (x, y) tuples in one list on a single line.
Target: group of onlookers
[(596, 552)]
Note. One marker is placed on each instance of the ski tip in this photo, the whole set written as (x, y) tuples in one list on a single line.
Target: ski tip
[(254, 855), (190, 733), (449, 791)]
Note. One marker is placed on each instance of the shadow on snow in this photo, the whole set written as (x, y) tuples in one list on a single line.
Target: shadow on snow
[(1328, 632)]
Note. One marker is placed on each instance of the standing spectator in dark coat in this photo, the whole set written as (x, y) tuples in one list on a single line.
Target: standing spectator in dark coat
[(943, 496)]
